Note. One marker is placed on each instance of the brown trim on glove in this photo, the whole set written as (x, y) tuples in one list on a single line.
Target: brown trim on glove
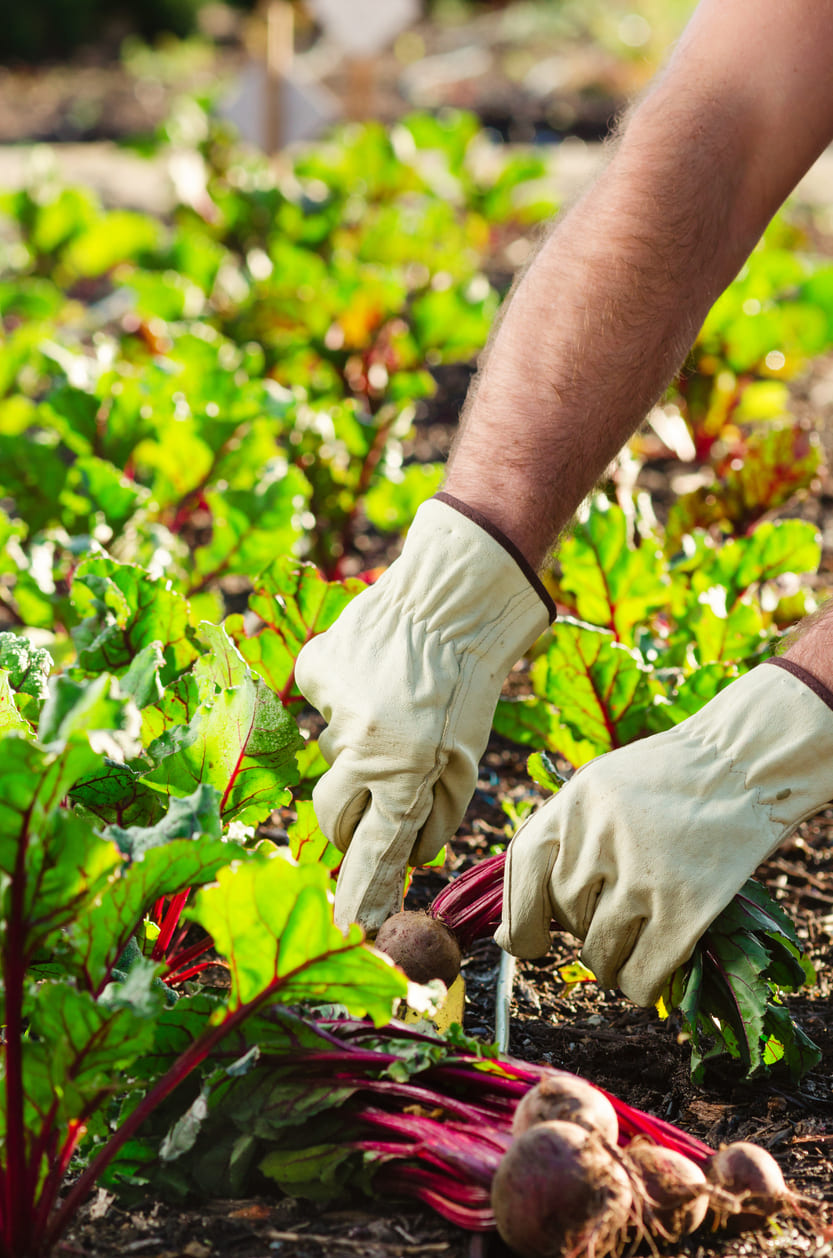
[(815, 685), (508, 545)]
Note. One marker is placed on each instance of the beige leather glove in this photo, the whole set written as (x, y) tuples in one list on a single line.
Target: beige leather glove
[(642, 849), (407, 679)]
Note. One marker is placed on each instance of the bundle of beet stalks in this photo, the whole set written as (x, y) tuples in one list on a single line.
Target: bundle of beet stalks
[(328, 1106), (729, 997)]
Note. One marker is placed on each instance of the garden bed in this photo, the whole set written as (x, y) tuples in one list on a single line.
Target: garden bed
[(599, 1035), (118, 324)]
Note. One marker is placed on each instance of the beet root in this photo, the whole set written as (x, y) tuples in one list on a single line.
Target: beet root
[(752, 1180), (421, 946), (563, 1097), (560, 1191), (677, 1195)]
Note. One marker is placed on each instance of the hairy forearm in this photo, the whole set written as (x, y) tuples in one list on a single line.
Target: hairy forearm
[(603, 316), (593, 332), (810, 645)]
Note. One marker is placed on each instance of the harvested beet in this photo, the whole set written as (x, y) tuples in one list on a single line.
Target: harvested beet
[(677, 1192), (421, 946), (563, 1097), (754, 1182), (560, 1190)]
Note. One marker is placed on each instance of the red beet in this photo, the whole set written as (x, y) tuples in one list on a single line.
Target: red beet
[(563, 1097), (561, 1191), (421, 946), (677, 1194), (754, 1182)]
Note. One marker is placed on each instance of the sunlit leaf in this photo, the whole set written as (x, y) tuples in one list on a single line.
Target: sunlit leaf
[(242, 742), (272, 920), (294, 602)]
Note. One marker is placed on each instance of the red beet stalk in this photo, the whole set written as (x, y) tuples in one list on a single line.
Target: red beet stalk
[(470, 906), (440, 1136)]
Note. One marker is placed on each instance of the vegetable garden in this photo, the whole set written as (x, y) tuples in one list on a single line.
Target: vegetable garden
[(214, 431)]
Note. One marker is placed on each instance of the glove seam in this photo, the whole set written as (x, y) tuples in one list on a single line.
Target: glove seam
[(483, 522), (514, 610), (506, 915), (709, 743), (515, 607)]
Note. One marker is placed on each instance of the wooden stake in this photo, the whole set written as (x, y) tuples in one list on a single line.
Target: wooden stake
[(280, 46), (361, 72)]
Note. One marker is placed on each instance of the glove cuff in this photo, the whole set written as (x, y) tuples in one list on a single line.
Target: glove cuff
[(802, 674), (483, 522)]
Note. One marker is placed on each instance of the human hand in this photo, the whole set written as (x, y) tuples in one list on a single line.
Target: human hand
[(407, 679), (646, 845)]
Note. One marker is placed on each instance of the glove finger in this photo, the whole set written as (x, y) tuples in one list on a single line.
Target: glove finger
[(645, 974), (451, 794), (340, 799), (371, 880), (611, 940), (527, 909), (657, 952)]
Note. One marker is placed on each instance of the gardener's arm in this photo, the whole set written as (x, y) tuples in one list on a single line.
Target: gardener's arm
[(408, 678), (602, 318)]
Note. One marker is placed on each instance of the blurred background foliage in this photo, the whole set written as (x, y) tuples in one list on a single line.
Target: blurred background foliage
[(44, 29), (53, 29)]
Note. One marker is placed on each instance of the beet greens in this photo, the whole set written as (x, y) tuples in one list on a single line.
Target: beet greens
[(323, 1105), (728, 996), (122, 824)]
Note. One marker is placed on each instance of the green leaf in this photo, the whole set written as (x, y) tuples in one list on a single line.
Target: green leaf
[(119, 236), (176, 706), (241, 741), (183, 849), (454, 322), (96, 708), (596, 693), (613, 583), (249, 528), (786, 1044), (690, 694), (28, 666), (222, 665), (723, 631), (33, 784), (762, 472), (544, 773), (308, 842), (317, 1172), (86, 1047), (191, 817), (391, 504), (142, 679), (11, 721), (126, 610), (729, 994), (272, 920), (33, 474), (67, 866), (294, 603), (116, 793), (95, 487)]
